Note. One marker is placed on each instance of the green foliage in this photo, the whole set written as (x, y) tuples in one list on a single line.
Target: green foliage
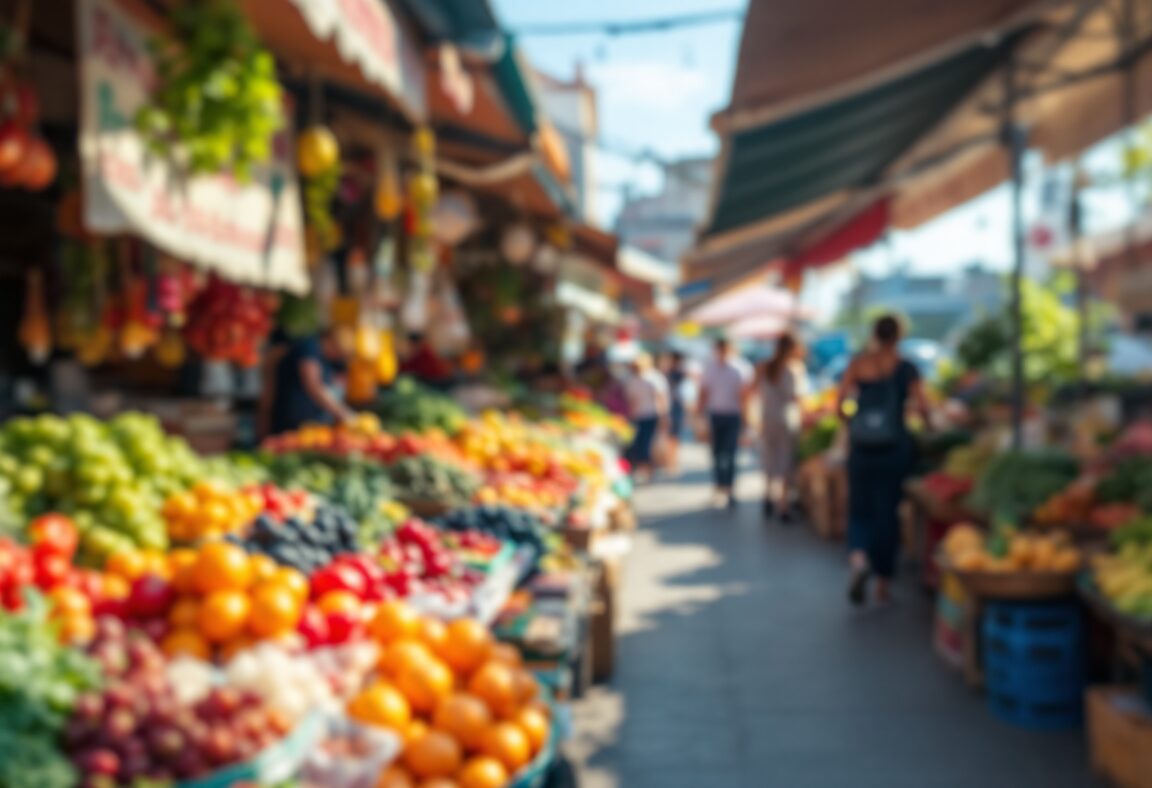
[(319, 192), (409, 406), (218, 97), (1129, 482), (40, 679), (818, 438), (1049, 332), (429, 479), (1015, 483)]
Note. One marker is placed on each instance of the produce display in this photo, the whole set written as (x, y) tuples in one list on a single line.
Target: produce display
[(1125, 576), (818, 437), (430, 479), (408, 406), (1015, 483), (110, 477), (227, 322), (168, 618), (969, 549)]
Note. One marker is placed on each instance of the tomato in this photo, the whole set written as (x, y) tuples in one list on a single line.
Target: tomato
[(50, 569), (55, 533), (313, 627), (338, 577)]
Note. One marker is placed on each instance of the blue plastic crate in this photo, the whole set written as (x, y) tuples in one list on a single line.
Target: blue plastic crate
[(1038, 639), (1035, 679), (1038, 715)]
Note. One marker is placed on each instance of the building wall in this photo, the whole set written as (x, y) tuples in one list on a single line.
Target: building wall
[(664, 224), (572, 108)]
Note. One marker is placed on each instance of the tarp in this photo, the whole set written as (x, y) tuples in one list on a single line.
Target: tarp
[(758, 301)]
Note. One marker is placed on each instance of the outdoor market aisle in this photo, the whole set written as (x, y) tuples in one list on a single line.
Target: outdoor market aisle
[(740, 663)]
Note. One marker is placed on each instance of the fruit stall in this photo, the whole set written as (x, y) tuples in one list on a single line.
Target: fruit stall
[(281, 617)]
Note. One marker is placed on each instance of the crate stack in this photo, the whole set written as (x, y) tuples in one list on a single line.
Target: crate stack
[(1034, 663)]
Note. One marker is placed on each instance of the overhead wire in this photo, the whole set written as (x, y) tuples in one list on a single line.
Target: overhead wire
[(615, 28)]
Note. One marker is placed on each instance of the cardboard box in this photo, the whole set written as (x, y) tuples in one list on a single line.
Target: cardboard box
[(1120, 735)]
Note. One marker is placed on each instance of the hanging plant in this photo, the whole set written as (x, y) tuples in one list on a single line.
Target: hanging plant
[(217, 104), (319, 192)]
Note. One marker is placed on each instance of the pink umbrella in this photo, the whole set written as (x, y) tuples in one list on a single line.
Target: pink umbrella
[(759, 301), (758, 327)]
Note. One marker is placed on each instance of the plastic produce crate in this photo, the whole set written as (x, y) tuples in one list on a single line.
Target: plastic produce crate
[(1034, 663)]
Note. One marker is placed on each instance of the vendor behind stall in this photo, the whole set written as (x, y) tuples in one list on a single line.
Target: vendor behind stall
[(298, 383)]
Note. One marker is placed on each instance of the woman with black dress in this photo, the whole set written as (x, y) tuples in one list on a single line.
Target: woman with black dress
[(881, 454)]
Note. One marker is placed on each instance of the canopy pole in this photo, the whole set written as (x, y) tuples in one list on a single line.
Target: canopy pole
[(1014, 141)]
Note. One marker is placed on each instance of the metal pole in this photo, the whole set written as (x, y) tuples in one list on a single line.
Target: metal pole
[(1014, 140), (1076, 231)]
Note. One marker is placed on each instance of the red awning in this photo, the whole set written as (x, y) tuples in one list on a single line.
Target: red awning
[(864, 228)]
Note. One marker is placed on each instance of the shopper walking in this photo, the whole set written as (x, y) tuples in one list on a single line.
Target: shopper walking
[(676, 376), (783, 382), (881, 454), (724, 390), (647, 394)]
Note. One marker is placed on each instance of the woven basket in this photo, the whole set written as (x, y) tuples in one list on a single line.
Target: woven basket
[(1015, 585)]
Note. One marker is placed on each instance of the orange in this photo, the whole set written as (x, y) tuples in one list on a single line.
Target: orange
[(293, 579), (435, 754), (535, 726), (466, 645), (438, 782), (339, 602), (66, 602), (128, 564), (464, 717), (156, 563), (395, 777), (403, 653), (433, 633), (185, 640), (495, 684), (223, 615), (263, 567), (483, 772), (180, 566), (77, 628), (541, 707), (394, 620), (526, 686), (221, 566), (382, 705), (415, 730), (508, 654), (425, 685), (275, 611), (184, 612), (508, 744), (115, 587)]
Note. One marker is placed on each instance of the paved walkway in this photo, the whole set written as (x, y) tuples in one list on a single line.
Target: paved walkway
[(741, 664)]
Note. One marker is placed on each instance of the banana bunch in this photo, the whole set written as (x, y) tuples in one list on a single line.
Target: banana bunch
[(1125, 578)]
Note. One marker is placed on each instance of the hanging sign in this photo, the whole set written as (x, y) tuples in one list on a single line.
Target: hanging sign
[(368, 34), (248, 232)]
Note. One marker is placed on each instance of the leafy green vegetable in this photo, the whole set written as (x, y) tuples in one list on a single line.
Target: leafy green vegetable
[(217, 95), (410, 406), (1129, 482), (429, 479), (1015, 483), (40, 679)]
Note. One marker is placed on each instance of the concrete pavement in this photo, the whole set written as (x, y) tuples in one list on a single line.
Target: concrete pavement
[(740, 663)]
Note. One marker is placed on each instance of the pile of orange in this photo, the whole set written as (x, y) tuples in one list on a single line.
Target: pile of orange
[(227, 599), (469, 713), (209, 510)]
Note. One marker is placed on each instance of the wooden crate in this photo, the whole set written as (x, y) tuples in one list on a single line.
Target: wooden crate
[(1120, 736)]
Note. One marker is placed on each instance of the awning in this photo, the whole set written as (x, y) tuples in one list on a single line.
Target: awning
[(758, 301), (797, 55), (361, 43), (844, 145), (796, 70), (248, 232)]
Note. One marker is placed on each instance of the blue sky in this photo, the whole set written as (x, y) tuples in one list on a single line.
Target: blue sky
[(656, 90)]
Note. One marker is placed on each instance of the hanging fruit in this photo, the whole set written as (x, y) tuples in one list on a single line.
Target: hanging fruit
[(35, 331), (386, 364), (40, 168), (389, 201), (228, 323), (93, 348), (170, 350), (317, 151)]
